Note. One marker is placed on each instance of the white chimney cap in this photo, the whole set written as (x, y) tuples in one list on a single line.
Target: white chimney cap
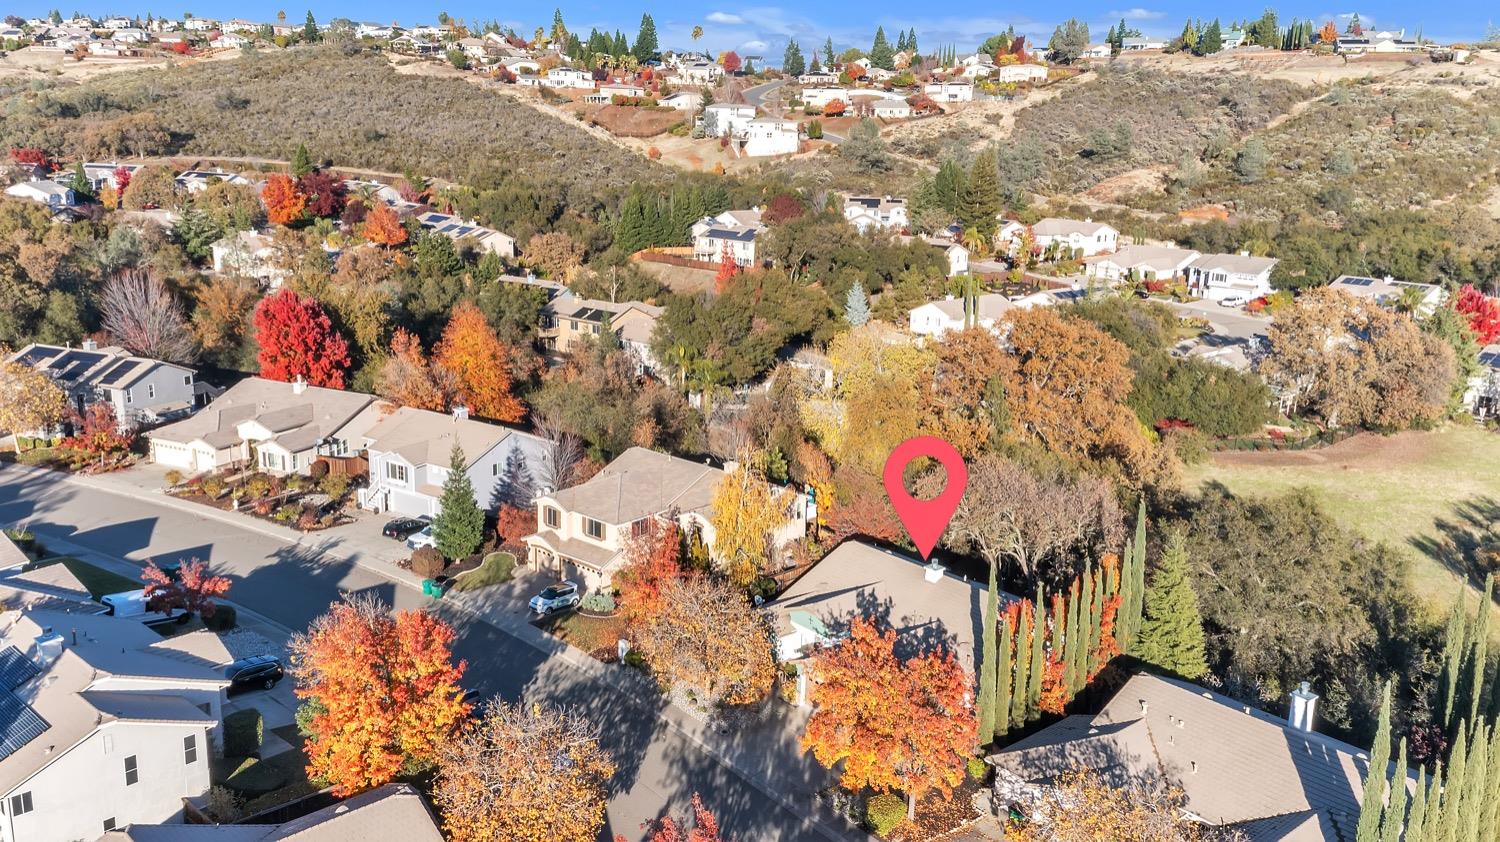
[(933, 572)]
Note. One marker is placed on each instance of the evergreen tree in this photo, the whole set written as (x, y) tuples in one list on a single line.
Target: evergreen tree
[(646, 47), (1430, 819), (310, 28), (1368, 829), (1073, 642), (1171, 635), (79, 183), (1394, 818), (988, 669), (1117, 39), (815, 67), (856, 305), (1418, 811), (559, 34), (1021, 681), (301, 161), (881, 54), (1109, 39), (1189, 37), (620, 48), (1455, 785), (1472, 809), (458, 528), (1453, 654), (1038, 658), (832, 62), (1479, 653), (1096, 616), (901, 41), (1002, 689), (981, 199), (911, 43), (1212, 40), (792, 63)]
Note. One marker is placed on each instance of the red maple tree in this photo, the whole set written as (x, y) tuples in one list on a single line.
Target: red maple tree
[(297, 339), (122, 179), (653, 560), (783, 207), (193, 590), (284, 203), (325, 192), (728, 269), (667, 829), (31, 155), (1482, 311), (98, 432), (731, 62)]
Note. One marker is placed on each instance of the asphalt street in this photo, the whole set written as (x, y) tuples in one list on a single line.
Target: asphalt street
[(659, 768)]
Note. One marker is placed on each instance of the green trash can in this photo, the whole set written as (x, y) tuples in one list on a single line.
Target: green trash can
[(427, 587)]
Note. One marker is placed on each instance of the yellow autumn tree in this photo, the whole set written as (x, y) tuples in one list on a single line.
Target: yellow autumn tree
[(877, 399), (746, 510), (29, 400)]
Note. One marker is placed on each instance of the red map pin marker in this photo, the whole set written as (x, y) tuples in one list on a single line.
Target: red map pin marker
[(925, 520)]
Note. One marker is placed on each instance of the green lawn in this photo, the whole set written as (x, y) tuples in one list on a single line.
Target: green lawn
[(496, 569), (1437, 494), (98, 580)]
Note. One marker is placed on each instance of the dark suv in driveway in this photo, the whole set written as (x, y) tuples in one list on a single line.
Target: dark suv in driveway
[(254, 673), (404, 527)]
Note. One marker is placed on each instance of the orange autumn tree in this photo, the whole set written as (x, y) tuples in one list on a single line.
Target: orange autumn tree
[(893, 724), (284, 202), (667, 829), (1329, 34), (479, 363), (382, 227), (380, 692), (652, 561), (728, 269), (409, 379)]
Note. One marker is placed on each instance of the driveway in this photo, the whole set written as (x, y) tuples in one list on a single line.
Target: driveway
[(1231, 323), (754, 96), (757, 783)]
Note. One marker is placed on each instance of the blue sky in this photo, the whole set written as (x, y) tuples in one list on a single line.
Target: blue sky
[(764, 29)]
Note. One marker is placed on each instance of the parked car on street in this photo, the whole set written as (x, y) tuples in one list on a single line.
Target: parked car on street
[(254, 672), (402, 528), (556, 597), (422, 538)]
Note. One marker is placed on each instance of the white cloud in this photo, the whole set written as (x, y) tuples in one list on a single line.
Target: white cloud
[(1138, 13), (724, 18), (757, 46)]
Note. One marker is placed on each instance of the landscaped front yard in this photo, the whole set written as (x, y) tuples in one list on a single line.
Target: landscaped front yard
[(1436, 494)]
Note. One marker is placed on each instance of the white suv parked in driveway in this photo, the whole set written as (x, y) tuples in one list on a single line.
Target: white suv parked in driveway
[(421, 539), (555, 598), (1233, 301)]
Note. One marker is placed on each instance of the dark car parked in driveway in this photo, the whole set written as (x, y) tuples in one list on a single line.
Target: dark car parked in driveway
[(254, 673), (404, 527)]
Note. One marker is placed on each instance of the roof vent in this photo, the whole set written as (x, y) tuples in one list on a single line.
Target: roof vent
[(1144, 707), (933, 572), (49, 647), (90, 345), (299, 385), (460, 413)]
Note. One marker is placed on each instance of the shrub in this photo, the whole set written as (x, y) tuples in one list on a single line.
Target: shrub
[(255, 778), (318, 469), (223, 619), (243, 731), (174, 478), (257, 486), (599, 602), (334, 485), (223, 805), (977, 768), (213, 487), (884, 812), (504, 564), (307, 520), (653, 153), (289, 513), (427, 562)]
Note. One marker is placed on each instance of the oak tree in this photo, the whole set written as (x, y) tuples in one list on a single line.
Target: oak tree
[(709, 640)]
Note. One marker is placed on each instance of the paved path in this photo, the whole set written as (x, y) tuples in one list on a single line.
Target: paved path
[(754, 779), (754, 96)]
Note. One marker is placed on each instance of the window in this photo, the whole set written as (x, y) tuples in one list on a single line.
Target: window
[(109, 824), (150, 390), (187, 379), (127, 396), (395, 472), (552, 517), (495, 470), (190, 749), (132, 774), (20, 804), (593, 528), (640, 527)]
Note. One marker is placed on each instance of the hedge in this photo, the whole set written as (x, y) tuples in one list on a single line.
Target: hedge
[(243, 732), (223, 619)]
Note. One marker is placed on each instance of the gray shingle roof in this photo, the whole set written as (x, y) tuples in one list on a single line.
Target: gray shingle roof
[(393, 811), (640, 483)]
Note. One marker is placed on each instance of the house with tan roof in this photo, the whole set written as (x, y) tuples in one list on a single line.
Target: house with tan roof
[(570, 320), (50, 587), (936, 318), (93, 707), (1148, 263), (583, 531), (410, 449), (1238, 767), (1390, 293), (277, 427), (392, 811), (1079, 238), (1230, 277)]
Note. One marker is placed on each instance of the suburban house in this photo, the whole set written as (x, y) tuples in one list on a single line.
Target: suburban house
[(1237, 767), (819, 97), (102, 174), (197, 181), (392, 811), (769, 136), (573, 318), (568, 77), (1144, 262), (1220, 277), (936, 318), (1079, 239), (98, 706), (877, 212), (456, 228), (954, 252), (280, 428), (950, 91), (474, 48), (925, 604), (682, 100), (1016, 73), (1388, 292), (890, 109), (249, 254), (582, 531), (733, 231), (1377, 42), (727, 118), (140, 389), (409, 451), (700, 73), (1097, 51), (1135, 44), (1482, 397), (822, 77), (50, 587), (49, 193)]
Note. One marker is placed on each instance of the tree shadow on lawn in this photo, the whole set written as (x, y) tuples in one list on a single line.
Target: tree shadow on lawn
[(1465, 543)]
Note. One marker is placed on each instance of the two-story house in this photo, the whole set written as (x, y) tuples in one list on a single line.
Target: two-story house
[(568, 77), (876, 212), (409, 451), (770, 136), (1226, 277), (583, 531), (279, 428), (572, 319), (103, 727), (733, 231), (140, 389), (729, 119), (1074, 238)]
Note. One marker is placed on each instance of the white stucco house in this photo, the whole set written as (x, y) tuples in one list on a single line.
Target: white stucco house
[(727, 118), (1084, 238), (1219, 277), (48, 193), (1389, 292), (1144, 262), (950, 91), (769, 136), (876, 212), (1017, 73), (734, 231), (568, 77)]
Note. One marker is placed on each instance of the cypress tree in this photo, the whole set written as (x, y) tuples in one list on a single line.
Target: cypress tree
[(1479, 654), (301, 161), (1075, 640), (458, 528), (1395, 810), (1453, 653), (1455, 786), (981, 198), (1002, 691), (1096, 618), (1022, 677), (1171, 635), (1370, 805), (1430, 820), (1418, 808), (1038, 659), (1472, 809), (1490, 824), (1133, 583), (987, 666)]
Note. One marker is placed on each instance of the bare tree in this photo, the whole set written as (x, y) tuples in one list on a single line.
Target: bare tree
[(560, 456), (143, 315)]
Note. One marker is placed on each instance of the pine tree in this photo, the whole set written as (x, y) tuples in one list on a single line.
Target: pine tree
[(792, 63), (310, 28), (832, 62), (301, 161), (1394, 819), (1171, 634), (881, 54), (856, 305), (981, 198), (1022, 679), (1002, 689), (1370, 805), (458, 528), (988, 670), (1038, 659), (1212, 40), (911, 44), (645, 41)]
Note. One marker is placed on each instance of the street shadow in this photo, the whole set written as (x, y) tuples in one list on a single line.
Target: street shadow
[(300, 583), (1464, 538)]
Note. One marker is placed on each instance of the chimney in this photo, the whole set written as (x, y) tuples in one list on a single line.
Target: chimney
[(49, 647), (299, 385), (1304, 707), (460, 413), (90, 345), (933, 572), (1244, 252)]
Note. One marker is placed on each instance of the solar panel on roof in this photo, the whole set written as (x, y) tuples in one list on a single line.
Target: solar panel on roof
[(1359, 282), (438, 218), (118, 372), (19, 724), (15, 669)]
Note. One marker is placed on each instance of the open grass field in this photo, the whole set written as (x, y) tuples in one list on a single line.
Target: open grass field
[(1435, 493)]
